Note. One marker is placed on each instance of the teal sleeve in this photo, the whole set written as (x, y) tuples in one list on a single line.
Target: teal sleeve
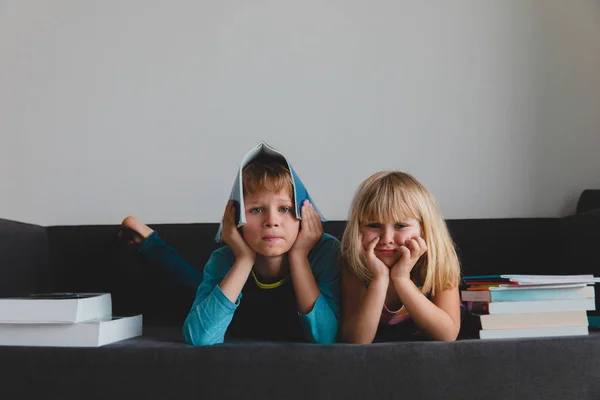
[(181, 272), (320, 325), (212, 311)]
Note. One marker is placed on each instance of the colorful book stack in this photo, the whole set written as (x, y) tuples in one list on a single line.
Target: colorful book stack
[(518, 306), (64, 320)]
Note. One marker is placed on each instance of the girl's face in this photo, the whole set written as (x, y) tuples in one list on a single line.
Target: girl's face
[(390, 235)]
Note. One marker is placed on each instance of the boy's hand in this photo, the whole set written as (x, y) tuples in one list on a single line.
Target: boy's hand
[(311, 230), (412, 250), (378, 269), (232, 236)]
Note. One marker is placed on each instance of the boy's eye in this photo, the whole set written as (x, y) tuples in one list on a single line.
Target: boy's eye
[(285, 209), (255, 210)]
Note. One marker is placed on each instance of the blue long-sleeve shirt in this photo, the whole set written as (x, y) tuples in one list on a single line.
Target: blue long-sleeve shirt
[(261, 312), (156, 250), (270, 314)]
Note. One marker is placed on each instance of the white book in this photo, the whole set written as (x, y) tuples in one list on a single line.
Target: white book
[(503, 286), (55, 308), (554, 281), (534, 320), (84, 334), (548, 277), (533, 332), (541, 306)]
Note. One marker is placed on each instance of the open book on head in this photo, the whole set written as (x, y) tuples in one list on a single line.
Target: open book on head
[(237, 192)]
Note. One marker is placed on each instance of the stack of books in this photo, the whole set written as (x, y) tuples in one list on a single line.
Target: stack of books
[(64, 320), (518, 306)]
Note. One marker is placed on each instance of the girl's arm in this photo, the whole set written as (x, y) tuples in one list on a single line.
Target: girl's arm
[(361, 307), (440, 317)]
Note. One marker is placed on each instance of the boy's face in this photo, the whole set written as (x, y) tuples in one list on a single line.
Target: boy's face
[(271, 225)]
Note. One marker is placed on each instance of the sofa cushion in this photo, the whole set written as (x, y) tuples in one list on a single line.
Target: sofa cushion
[(154, 367)]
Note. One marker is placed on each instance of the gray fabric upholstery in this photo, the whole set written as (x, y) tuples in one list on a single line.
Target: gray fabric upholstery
[(160, 365)]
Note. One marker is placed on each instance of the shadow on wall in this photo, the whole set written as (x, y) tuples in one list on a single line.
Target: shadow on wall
[(567, 100)]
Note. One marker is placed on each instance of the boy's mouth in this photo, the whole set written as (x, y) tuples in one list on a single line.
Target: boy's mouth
[(271, 238)]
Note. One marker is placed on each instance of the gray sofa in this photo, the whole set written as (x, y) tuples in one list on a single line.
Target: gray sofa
[(159, 364)]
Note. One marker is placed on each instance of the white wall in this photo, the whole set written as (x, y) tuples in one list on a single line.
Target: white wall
[(146, 107)]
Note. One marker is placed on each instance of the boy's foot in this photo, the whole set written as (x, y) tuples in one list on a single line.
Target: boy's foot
[(133, 231)]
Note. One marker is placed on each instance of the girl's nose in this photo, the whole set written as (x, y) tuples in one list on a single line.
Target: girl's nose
[(387, 236)]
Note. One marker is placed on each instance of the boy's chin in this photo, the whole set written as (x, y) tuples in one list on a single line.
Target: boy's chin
[(272, 251)]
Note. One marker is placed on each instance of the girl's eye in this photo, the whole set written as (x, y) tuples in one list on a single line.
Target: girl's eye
[(285, 209), (400, 226), (255, 210), (374, 226)]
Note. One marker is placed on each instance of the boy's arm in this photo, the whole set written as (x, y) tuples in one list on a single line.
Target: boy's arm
[(316, 285), (212, 310), (156, 250)]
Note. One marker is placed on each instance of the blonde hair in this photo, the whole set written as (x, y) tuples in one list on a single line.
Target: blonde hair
[(267, 173), (395, 196)]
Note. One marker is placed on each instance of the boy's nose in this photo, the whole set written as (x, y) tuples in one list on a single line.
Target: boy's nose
[(271, 219)]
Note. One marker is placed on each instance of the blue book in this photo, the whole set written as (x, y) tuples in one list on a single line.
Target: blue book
[(496, 296), (237, 191), (575, 293)]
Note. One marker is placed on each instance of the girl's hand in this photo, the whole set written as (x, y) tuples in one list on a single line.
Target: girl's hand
[(410, 253), (378, 269), (311, 230), (232, 236)]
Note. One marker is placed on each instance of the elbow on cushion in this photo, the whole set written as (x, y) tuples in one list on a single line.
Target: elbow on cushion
[(326, 336), (196, 336)]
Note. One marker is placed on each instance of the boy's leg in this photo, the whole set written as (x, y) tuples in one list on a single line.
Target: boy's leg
[(133, 231)]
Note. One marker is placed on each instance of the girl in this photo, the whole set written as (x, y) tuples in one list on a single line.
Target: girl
[(400, 271)]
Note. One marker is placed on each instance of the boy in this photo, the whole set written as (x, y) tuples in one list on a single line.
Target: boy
[(277, 278)]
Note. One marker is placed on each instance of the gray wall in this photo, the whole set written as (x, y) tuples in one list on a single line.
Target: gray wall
[(146, 107)]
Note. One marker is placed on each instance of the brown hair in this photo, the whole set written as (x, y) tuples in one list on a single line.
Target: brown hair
[(267, 173)]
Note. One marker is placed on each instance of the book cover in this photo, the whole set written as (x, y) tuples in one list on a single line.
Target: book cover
[(55, 308), (534, 320), (534, 332), (237, 191), (521, 307), (93, 333), (559, 293), (550, 279)]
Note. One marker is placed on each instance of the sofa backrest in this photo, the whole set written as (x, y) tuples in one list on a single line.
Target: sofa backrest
[(91, 258), (25, 265)]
